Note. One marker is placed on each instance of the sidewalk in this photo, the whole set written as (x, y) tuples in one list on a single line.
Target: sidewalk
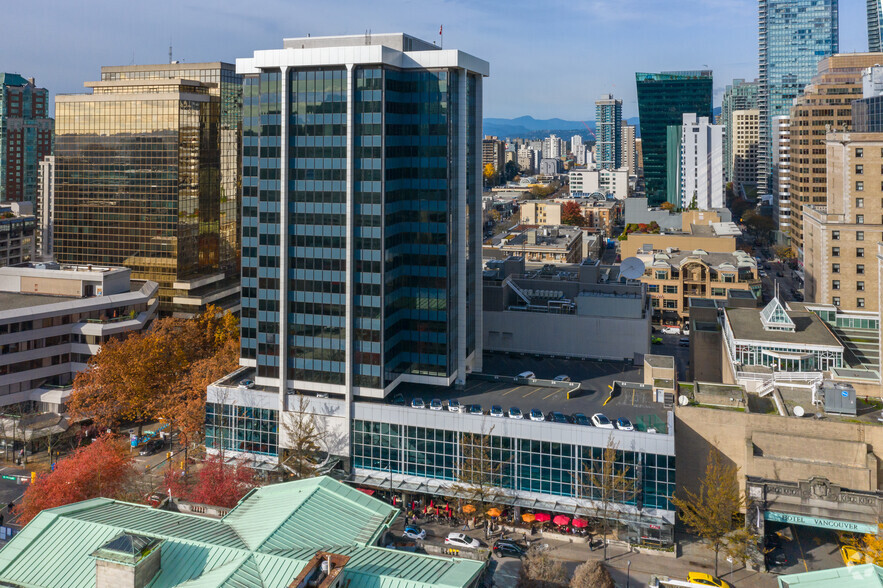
[(693, 557)]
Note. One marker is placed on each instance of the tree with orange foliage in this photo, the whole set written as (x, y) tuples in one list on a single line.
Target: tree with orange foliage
[(571, 214), (162, 373), (102, 468)]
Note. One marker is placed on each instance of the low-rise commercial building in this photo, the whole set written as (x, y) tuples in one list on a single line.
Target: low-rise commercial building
[(278, 536), (673, 277), (588, 313), (700, 229), (549, 244), (607, 182), (54, 318), (18, 228), (601, 214)]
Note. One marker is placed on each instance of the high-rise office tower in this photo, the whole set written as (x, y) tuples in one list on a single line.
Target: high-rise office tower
[(663, 99), (793, 36), (138, 182), (743, 138), (875, 11), (45, 210), (576, 146), (740, 95), (361, 263), (553, 147), (223, 82), (608, 132), (781, 180), (629, 149), (701, 164), (826, 102), (493, 153), (25, 136)]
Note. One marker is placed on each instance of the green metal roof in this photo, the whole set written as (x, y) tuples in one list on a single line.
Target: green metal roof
[(264, 542), (863, 576)]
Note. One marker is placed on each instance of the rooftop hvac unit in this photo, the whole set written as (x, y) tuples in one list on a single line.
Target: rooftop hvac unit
[(839, 398)]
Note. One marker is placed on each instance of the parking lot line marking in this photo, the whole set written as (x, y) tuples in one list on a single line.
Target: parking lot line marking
[(512, 390), (633, 397), (554, 392), (473, 386)]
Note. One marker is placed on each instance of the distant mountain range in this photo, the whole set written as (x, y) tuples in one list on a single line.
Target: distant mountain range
[(530, 127)]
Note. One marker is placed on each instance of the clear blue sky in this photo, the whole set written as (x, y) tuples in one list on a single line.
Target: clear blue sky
[(549, 58)]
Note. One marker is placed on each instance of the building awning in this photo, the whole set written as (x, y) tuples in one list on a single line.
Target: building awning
[(786, 355), (367, 491)]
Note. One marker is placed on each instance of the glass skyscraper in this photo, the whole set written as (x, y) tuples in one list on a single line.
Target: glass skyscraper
[(25, 136), (663, 99), (138, 183), (794, 36), (361, 253), (874, 24), (608, 132)]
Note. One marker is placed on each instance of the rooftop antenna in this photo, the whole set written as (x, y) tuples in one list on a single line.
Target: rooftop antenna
[(170, 50), (367, 36)]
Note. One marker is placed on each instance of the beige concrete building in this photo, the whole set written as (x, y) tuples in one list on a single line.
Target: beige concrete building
[(550, 244), (673, 278), (826, 101), (746, 139), (700, 229), (599, 214), (614, 182), (823, 473), (840, 238), (629, 149)]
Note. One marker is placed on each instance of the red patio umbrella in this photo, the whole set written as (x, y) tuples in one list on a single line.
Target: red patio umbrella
[(561, 520), (579, 523), (542, 517)]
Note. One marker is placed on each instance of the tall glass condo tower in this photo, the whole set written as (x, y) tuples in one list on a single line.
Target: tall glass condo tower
[(794, 35), (663, 99), (361, 252)]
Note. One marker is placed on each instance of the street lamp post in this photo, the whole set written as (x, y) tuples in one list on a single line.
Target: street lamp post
[(628, 577)]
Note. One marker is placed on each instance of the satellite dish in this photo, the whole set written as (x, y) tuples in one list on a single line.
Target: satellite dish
[(798, 411), (683, 400), (631, 268)]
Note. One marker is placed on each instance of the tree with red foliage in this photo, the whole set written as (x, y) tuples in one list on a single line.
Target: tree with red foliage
[(571, 214), (217, 483), (102, 468)]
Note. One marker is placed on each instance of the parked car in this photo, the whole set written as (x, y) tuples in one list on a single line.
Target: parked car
[(704, 579), (685, 331), (412, 532), (454, 405), (461, 540), (601, 421), (623, 424), (581, 419), (398, 400), (151, 447), (418, 403), (562, 378), (536, 415), (515, 413), (556, 417), (776, 559), (435, 404), (684, 342), (671, 330), (529, 375), (475, 409), (496, 411), (508, 548)]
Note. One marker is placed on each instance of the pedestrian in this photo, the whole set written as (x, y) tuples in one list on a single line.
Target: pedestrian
[(10, 506)]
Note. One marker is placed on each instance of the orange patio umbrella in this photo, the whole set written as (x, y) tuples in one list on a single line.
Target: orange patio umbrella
[(494, 512), (468, 509), (528, 517)]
